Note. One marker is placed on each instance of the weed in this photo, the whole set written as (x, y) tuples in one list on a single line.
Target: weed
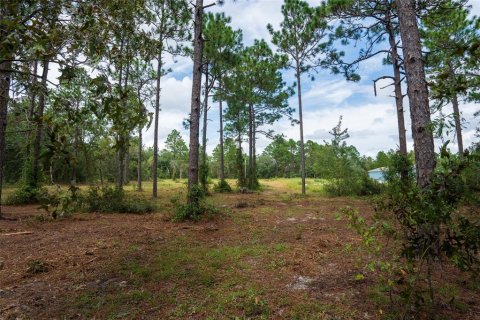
[(36, 266)]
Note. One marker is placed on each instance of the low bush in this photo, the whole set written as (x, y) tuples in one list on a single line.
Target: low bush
[(222, 187), (62, 203), (358, 184), (196, 210), (112, 200), (27, 194), (427, 228)]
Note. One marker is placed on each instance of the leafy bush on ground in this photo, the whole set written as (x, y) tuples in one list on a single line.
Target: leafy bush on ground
[(27, 194), (196, 210), (222, 187), (112, 200), (62, 202), (353, 183), (427, 227)]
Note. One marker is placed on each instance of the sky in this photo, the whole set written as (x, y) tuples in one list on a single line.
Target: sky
[(371, 120)]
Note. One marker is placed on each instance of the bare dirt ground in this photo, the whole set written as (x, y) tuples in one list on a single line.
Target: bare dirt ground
[(272, 255)]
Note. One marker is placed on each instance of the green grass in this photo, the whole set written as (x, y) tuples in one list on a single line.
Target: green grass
[(213, 276)]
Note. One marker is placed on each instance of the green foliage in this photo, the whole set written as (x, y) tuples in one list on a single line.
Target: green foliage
[(113, 200), (451, 38), (346, 173), (63, 203), (176, 154), (203, 172), (36, 266), (195, 210), (424, 225), (431, 217), (27, 194), (222, 187)]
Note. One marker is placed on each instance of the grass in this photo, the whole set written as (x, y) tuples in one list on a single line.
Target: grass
[(213, 276)]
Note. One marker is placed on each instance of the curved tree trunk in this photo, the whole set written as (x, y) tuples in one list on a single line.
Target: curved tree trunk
[(195, 103), (417, 92)]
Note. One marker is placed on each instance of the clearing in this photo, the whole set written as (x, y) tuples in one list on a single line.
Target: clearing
[(269, 255)]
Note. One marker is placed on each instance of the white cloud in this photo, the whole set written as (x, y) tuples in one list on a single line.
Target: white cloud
[(175, 106), (475, 7)]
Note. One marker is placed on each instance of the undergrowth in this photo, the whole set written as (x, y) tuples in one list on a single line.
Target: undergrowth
[(222, 187), (193, 210), (424, 227), (61, 202)]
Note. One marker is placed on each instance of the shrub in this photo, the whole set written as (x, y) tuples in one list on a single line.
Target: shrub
[(109, 200), (428, 226), (222, 187), (62, 203), (359, 184), (27, 194), (195, 210)]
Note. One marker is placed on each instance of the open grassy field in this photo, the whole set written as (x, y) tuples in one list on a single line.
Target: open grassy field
[(268, 255)]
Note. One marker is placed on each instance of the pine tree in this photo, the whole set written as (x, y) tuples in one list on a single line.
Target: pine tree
[(417, 91), (447, 32), (303, 37)]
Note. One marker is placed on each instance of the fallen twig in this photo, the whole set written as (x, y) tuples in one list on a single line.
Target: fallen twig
[(16, 233)]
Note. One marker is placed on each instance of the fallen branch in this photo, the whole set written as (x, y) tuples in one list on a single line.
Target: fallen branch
[(16, 233)]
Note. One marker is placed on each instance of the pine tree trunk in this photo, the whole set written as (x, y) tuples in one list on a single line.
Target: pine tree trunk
[(222, 155), (240, 170), (195, 103), (254, 152), (75, 150), (126, 149), (5, 74), (126, 168), (458, 124), (300, 118), (139, 163), (250, 147), (456, 114), (203, 172), (31, 111), (417, 92), (38, 131), (155, 133), (397, 76), (120, 136)]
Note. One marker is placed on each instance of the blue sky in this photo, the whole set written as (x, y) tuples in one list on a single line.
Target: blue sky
[(371, 120)]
